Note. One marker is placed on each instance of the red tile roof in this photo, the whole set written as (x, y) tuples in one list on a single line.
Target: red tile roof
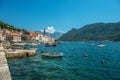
[(32, 34), (14, 34)]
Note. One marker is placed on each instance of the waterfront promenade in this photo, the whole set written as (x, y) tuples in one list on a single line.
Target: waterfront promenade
[(4, 69)]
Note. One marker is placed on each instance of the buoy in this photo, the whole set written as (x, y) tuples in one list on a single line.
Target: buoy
[(85, 55), (102, 62)]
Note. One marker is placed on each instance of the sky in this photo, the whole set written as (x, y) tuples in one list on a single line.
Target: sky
[(61, 15)]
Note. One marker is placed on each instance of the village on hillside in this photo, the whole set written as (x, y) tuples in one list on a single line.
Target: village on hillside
[(8, 36), (13, 42), (11, 34)]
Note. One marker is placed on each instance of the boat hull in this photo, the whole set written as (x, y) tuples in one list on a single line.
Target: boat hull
[(50, 44), (101, 45), (52, 55)]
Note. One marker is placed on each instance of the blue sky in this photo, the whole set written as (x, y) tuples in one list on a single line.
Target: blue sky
[(63, 15)]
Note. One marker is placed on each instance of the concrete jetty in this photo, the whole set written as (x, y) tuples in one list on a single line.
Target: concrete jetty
[(4, 69), (12, 54)]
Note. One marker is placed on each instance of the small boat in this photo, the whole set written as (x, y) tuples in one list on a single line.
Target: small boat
[(18, 44), (101, 45), (31, 44), (50, 44), (53, 44), (52, 54)]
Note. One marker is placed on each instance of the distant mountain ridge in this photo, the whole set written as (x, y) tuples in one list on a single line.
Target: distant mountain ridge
[(94, 32), (55, 35)]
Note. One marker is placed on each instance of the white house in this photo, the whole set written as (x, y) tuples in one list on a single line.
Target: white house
[(2, 35), (15, 37), (34, 36), (46, 39)]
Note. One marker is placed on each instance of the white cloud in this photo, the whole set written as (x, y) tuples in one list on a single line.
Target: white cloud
[(50, 29)]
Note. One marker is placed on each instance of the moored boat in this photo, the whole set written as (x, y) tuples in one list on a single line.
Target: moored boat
[(50, 44), (52, 54), (101, 45), (31, 44)]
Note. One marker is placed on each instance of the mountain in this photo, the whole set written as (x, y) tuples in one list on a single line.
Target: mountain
[(94, 32), (54, 35)]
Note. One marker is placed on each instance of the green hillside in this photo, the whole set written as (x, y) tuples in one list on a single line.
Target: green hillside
[(94, 32), (7, 26), (4, 25)]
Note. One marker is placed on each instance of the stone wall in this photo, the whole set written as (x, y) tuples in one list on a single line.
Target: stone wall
[(4, 69)]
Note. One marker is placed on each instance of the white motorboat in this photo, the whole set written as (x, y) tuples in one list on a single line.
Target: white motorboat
[(52, 54), (101, 45)]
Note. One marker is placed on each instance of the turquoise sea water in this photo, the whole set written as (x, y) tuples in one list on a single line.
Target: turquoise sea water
[(73, 65)]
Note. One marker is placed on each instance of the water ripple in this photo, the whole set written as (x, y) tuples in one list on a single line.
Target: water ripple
[(73, 66)]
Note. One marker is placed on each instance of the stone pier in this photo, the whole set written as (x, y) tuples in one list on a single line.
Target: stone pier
[(12, 54), (4, 69)]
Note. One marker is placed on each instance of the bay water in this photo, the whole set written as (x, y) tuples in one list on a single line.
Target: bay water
[(73, 65)]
